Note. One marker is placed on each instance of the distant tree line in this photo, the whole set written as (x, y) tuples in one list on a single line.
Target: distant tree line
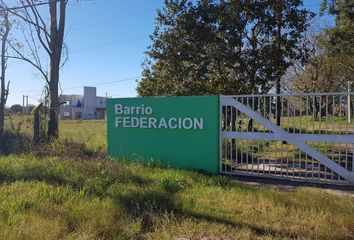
[(18, 109)]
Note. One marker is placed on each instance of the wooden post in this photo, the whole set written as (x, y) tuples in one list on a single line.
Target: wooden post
[(36, 124)]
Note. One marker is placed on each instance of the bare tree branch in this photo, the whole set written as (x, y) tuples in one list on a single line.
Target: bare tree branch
[(28, 21), (39, 28), (26, 59)]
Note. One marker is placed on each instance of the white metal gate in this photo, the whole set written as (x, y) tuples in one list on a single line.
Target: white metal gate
[(306, 137)]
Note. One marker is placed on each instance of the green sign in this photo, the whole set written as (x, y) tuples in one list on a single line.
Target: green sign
[(181, 132)]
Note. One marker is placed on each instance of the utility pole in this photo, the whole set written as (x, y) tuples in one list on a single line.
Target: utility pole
[(23, 105), (27, 105)]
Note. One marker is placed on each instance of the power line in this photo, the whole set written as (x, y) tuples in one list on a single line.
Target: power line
[(112, 19), (76, 87), (110, 43), (103, 83)]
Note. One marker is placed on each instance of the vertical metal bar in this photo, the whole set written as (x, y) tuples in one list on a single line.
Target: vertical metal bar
[(220, 132), (228, 161), (320, 112), (348, 102), (313, 113), (252, 141), (340, 114), (241, 141), (352, 115), (307, 114), (281, 143), (259, 111), (258, 153), (258, 141), (231, 155), (265, 115), (319, 130), (232, 123), (287, 144), (340, 131), (300, 126), (294, 131), (307, 127), (326, 144), (347, 130), (276, 142), (327, 114), (226, 119), (236, 140), (300, 110), (288, 113), (269, 142), (313, 131), (246, 141), (332, 144)]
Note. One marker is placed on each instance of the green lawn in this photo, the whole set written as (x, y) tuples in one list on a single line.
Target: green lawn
[(70, 189)]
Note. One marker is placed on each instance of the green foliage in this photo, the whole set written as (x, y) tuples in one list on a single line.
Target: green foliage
[(17, 108), (222, 47), (339, 40), (174, 183)]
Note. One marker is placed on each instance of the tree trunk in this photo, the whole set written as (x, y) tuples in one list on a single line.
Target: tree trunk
[(4, 91), (53, 128), (2, 125), (55, 46)]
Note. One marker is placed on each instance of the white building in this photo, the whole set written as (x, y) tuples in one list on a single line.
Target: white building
[(87, 106)]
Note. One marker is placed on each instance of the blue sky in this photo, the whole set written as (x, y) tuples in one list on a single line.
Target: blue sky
[(106, 40)]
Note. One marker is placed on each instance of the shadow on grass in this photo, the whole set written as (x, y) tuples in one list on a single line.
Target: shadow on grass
[(16, 143), (151, 206), (92, 176), (21, 143)]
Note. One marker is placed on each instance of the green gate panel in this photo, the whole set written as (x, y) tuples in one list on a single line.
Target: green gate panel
[(180, 132)]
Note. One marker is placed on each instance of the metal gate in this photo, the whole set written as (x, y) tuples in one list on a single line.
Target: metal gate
[(307, 137)]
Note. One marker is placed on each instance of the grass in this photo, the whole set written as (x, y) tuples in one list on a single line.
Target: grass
[(70, 189)]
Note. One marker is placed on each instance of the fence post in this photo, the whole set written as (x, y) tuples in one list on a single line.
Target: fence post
[(36, 124)]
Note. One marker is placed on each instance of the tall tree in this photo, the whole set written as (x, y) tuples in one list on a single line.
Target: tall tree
[(199, 49), (222, 47), (4, 32), (50, 36), (339, 40), (285, 24)]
